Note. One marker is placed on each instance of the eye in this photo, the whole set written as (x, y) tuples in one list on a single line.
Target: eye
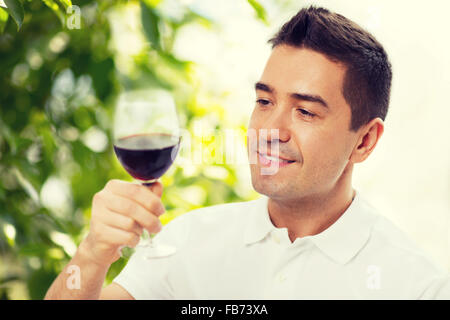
[(306, 113), (262, 102)]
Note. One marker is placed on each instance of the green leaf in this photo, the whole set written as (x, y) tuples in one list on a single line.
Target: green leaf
[(39, 281), (66, 3), (9, 137), (15, 9), (150, 24), (9, 278), (51, 4), (152, 3), (100, 72), (56, 9), (259, 10), (3, 19)]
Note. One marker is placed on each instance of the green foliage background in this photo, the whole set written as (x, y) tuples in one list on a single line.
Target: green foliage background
[(42, 125)]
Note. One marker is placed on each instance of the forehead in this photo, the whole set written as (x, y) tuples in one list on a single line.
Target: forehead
[(290, 69)]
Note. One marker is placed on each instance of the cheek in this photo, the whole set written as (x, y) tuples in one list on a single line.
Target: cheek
[(253, 119), (323, 150)]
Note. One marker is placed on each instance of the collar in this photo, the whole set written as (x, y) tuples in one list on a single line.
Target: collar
[(340, 242)]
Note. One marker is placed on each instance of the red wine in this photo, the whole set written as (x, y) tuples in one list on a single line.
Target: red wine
[(147, 156)]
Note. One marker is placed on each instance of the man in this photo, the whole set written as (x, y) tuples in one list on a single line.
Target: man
[(321, 100)]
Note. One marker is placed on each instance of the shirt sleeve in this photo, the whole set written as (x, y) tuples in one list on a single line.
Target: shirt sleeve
[(148, 279)]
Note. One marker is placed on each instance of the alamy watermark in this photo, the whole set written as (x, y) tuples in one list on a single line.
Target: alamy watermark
[(373, 277), (228, 147), (74, 279), (73, 17)]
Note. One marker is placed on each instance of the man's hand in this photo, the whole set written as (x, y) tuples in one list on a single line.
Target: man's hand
[(120, 212)]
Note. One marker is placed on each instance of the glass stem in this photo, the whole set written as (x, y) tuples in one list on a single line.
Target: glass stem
[(147, 239), (146, 234), (151, 244)]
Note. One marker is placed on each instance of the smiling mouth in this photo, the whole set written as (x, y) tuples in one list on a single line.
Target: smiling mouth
[(267, 160)]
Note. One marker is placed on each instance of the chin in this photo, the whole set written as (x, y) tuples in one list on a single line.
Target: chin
[(278, 189), (270, 188)]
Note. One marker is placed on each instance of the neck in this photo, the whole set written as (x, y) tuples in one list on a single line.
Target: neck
[(312, 214)]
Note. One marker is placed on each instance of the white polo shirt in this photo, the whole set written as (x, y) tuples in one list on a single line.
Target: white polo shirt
[(233, 251)]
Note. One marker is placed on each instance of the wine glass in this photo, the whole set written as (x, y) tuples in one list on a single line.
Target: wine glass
[(146, 142)]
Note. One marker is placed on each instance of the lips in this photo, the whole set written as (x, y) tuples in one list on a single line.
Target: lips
[(270, 160)]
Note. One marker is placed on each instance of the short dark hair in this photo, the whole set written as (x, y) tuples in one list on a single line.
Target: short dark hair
[(367, 82)]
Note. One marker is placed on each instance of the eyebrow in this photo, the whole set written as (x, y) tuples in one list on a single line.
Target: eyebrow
[(298, 96)]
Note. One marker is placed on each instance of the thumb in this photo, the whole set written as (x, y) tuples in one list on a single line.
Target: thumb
[(157, 188)]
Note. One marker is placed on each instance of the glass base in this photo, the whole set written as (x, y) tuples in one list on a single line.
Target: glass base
[(159, 251)]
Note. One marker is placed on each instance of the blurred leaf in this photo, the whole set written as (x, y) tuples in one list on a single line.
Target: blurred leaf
[(44, 116), (8, 278), (152, 3), (192, 16), (150, 24), (101, 75), (3, 19), (174, 62), (259, 10), (8, 136), (31, 249), (56, 9), (66, 3), (15, 9), (51, 4), (38, 283)]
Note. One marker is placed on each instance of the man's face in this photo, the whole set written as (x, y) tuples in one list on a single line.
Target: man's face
[(300, 94)]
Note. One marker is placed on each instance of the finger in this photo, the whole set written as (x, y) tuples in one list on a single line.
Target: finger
[(119, 221), (134, 210), (118, 237), (157, 188), (139, 193)]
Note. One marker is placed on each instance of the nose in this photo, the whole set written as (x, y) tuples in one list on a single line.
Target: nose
[(277, 125)]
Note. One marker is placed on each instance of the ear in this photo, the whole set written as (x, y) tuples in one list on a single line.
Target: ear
[(368, 138)]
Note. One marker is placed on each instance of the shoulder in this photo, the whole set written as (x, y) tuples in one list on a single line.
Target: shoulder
[(388, 240), (393, 241), (400, 259)]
